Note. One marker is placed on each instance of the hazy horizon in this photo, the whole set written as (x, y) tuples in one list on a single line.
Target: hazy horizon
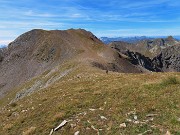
[(6, 43)]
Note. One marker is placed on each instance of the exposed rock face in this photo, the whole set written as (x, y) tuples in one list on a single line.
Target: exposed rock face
[(168, 59), (135, 58), (139, 59), (147, 47)]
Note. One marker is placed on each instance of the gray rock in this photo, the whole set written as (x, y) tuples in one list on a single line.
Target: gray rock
[(122, 125), (168, 59)]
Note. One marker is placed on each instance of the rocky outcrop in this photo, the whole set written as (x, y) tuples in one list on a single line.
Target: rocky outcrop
[(154, 55), (134, 57), (139, 59), (168, 59)]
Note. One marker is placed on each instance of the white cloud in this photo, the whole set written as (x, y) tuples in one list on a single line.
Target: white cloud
[(36, 14), (5, 42)]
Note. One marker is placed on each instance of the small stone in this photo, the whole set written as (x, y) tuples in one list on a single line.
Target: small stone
[(77, 133), (101, 108), (178, 119), (92, 109), (135, 117), (24, 111), (129, 120), (136, 122), (61, 125), (168, 133), (123, 125), (52, 130), (103, 118)]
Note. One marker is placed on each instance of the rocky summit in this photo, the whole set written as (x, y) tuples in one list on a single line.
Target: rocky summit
[(37, 51)]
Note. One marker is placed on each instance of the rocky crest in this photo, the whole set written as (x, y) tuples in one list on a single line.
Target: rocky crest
[(168, 59), (152, 48)]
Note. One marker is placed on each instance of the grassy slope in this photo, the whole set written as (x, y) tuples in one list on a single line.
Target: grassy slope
[(86, 94)]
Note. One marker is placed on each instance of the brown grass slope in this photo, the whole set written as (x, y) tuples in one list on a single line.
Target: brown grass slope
[(38, 50), (90, 99)]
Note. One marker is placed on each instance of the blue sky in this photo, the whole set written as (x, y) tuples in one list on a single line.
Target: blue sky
[(102, 17)]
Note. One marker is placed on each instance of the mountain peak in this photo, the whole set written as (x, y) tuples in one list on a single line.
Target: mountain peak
[(170, 38)]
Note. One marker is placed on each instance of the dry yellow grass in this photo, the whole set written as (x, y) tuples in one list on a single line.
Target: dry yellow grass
[(29, 131), (93, 101)]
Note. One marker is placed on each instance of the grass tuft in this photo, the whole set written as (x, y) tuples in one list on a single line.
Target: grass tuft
[(170, 81)]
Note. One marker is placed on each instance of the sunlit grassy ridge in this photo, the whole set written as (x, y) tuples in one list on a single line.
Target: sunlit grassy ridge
[(86, 95)]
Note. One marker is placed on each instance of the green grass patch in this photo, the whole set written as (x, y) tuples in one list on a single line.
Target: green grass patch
[(170, 81)]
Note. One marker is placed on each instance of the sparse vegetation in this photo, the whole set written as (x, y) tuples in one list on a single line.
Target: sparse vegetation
[(170, 81), (88, 97)]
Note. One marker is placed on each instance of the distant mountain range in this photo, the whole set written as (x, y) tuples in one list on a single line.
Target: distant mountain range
[(134, 39)]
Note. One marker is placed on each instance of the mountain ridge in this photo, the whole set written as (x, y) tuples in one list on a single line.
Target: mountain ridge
[(133, 39), (43, 50), (36, 51)]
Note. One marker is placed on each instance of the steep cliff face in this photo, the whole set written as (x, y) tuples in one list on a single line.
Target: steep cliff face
[(168, 59), (139, 59)]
